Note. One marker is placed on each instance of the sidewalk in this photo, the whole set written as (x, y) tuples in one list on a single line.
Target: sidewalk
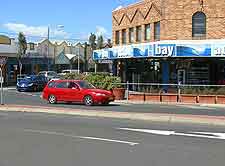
[(152, 117), (129, 102)]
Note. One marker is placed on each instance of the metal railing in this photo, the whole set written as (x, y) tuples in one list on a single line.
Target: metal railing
[(178, 89)]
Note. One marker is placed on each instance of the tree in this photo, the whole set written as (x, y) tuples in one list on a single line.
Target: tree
[(92, 39), (92, 42), (100, 42), (109, 43), (85, 57), (22, 47)]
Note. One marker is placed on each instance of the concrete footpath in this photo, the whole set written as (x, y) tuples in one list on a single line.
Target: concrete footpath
[(152, 117)]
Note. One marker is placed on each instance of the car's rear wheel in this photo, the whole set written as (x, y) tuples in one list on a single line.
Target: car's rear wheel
[(52, 99), (88, 100)]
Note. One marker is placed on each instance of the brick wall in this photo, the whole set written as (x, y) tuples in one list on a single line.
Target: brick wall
[(175, 18)]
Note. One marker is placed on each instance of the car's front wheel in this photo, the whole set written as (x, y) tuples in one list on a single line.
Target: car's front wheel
[(52, 99), (88, 100)]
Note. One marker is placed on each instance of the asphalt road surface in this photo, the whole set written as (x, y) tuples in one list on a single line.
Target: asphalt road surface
[(37, 139), (27, 98)]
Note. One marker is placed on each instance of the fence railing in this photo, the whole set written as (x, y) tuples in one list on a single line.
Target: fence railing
[(173, 88)]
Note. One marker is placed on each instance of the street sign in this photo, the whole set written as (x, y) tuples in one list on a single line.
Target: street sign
[(1, 79), (3, 60)]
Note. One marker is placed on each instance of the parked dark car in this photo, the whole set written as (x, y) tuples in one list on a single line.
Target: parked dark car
[(32, 83)]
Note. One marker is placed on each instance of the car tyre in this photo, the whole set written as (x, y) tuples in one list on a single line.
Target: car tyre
[(88, 100), (52, 99), (105, 103)]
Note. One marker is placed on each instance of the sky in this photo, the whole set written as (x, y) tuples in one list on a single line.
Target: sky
[(67, 19)]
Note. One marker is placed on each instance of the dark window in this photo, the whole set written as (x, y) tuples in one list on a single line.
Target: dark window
[(62, 85), (138, 34), (131, 35), (73, 85), (157, 30), (85, 85), (199, 25), (117, 39), (31, 46), (51, 84), (147, 32), (124, 36)]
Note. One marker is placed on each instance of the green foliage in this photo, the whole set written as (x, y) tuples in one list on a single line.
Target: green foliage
[(73, 76), (100, 42), (99, 80), (22, 45), (92, 39)]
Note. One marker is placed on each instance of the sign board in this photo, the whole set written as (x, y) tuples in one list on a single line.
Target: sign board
[(3, 60), (173, 48)]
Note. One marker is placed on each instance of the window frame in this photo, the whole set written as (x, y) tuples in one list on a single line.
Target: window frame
[(199, 24), (124, 38), (117, 37), (131, 35), (138, 33), (157, 30), (147, 33)]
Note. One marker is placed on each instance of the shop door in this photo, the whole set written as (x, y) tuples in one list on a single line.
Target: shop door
[(135, 79), (181, 76)]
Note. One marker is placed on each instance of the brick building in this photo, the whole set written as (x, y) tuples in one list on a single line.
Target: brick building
[(168, 41)]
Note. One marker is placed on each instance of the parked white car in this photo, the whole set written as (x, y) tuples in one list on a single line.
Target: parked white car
[(64, 72), (48, 74)]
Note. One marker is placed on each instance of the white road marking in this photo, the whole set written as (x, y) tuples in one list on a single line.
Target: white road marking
[(210, 135), (197, 107), (80, 137)]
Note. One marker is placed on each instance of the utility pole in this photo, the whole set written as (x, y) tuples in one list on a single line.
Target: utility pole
[(78, 59), (48, 48), (1, 79)]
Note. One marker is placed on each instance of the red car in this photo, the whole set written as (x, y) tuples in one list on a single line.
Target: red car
[(76, 91)]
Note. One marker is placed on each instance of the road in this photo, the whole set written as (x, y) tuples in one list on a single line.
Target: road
[(14, 97), (54, 140)]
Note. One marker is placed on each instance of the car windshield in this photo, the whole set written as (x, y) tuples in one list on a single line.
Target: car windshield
[(86, 85), (29, 78)]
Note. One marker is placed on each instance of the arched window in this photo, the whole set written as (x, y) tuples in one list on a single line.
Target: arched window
[(199, 25)]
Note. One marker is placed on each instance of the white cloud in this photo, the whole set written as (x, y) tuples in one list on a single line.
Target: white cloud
[(40, 31), (101, 31), (118, 8)]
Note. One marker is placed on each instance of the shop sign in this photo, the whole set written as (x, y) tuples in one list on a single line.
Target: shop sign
[(218, 50), (193, 50), (160, 49), (164, 50)]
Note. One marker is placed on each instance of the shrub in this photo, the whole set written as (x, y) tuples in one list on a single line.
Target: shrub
[(99, 80)]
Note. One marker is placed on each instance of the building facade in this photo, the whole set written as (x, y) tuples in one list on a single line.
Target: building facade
[(169, 41), (43, 56)]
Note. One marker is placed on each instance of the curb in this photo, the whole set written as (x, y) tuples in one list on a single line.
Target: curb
[(168, 103), (152, 117)]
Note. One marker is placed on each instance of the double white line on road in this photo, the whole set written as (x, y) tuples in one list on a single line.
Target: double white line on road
[(79, 137)]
